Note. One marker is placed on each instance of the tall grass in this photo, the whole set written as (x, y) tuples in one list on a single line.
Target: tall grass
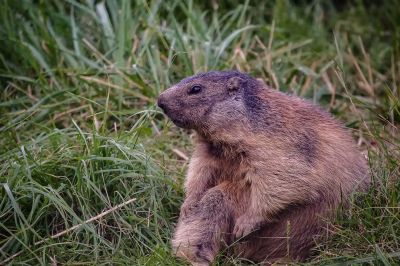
[(80, 133)]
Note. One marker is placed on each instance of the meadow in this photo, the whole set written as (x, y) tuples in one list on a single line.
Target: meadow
[(91, 171)]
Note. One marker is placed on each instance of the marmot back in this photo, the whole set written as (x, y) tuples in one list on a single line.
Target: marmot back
[(263, 159)]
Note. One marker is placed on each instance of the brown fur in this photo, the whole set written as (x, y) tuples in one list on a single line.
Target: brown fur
[(267, 170)]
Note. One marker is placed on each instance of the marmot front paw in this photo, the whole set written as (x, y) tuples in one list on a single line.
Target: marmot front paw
[(194, 250), (245, 225)]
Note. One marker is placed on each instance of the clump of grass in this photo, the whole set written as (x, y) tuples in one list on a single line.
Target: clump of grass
[(79, 132)]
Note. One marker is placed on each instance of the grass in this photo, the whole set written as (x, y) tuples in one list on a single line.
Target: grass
[(80, 133)]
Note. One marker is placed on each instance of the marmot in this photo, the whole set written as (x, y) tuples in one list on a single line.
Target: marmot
[(268, 171)]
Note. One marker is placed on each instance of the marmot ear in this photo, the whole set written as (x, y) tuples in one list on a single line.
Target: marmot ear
[(235, 84)]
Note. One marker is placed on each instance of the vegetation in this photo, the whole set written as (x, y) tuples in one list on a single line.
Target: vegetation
[(80, 132)]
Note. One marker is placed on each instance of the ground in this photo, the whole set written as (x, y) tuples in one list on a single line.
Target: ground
[(91, 171)]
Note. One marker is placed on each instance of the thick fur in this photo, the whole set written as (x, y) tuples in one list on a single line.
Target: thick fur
[(268, 171)]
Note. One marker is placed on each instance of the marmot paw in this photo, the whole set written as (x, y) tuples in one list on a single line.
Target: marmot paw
[(199, 255), (245, 225)]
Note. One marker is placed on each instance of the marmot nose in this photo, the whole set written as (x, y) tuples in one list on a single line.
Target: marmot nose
[(161, 103)]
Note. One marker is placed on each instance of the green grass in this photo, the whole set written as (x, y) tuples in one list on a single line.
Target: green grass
[(80, 133)]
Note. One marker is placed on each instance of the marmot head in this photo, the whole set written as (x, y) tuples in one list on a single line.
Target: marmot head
[(211, 102)]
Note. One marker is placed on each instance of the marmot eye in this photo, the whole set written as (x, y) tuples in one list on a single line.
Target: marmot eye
[(195, 89)]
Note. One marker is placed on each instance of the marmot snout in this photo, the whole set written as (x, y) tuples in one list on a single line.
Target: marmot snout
[(268, 169)]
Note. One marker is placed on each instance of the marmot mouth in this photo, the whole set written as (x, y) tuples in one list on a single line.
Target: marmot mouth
[(180, 123)]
